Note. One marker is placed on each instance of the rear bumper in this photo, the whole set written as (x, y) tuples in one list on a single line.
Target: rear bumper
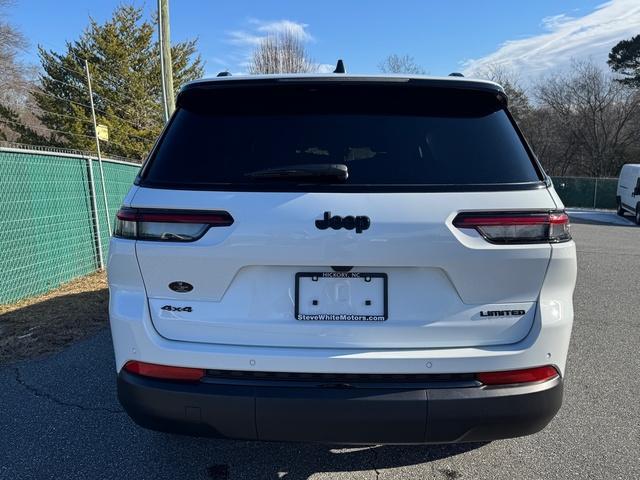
[(361, 415)]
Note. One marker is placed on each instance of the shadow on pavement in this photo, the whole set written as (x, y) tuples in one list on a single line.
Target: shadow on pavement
[(608, 219), (48, 323), (295, 461)]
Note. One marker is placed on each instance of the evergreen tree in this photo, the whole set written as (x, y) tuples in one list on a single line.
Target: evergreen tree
[(125, 75), (22, 132), (624, 58)]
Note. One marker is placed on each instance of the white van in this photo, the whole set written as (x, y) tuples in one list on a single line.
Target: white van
[(628, 195)]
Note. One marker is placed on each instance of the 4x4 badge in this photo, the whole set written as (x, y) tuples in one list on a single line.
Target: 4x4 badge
[(171, 308), (360, 223)]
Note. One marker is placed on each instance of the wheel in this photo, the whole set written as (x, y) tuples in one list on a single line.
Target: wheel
[(638, 214), (620, 210)]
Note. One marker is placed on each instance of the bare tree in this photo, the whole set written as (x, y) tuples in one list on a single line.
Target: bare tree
[(519, 103), (283, 52), (596, 118), (15, 76), (537, 123), (12, 72), (395, 63)]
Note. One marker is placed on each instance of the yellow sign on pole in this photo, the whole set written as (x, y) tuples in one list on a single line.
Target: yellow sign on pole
[(103, 132)]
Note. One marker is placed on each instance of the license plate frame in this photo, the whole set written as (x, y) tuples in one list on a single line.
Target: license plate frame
[(343, 317)]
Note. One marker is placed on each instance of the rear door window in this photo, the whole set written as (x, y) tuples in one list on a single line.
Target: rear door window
[(388, 140)]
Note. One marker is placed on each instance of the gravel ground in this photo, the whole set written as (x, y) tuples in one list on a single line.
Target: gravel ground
[(59, 417)]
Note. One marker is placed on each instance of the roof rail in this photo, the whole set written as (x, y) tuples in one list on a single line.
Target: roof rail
[(456, 74), (339, 67), (224, 74)]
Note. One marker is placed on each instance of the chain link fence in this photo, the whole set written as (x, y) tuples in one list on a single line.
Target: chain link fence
[(587, 192), (53, 221)]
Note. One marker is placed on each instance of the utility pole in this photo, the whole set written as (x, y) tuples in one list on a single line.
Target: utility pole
[(95, 132), (166, 65), (94, 206)]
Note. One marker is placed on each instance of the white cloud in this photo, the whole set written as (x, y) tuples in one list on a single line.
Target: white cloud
[(282, 26), (556, 21), (241, 37), (263, 28), (567, 37), (245, 40), (326, 67)]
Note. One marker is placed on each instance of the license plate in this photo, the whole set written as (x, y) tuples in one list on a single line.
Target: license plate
[(341, 296)]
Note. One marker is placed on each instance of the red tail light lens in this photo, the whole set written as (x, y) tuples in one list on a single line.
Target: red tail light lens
[(529, 375), (167, 225), (517, 227), (164, 372)]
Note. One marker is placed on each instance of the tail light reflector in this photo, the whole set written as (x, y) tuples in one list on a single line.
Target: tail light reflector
[(529, 375), (164, 372), (517, 227), (167, 225)]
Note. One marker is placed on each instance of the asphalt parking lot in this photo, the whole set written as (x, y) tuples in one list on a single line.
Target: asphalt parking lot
[(59, 416)]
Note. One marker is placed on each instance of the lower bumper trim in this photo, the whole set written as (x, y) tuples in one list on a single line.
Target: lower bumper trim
[(390, 415)]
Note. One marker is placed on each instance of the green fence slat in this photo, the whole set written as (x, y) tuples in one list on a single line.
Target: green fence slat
[(606, 193), (118, 181), (585, 192), (47, 234)]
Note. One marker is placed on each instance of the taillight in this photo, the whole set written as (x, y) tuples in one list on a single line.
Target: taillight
[(517, 227), (528, 375), (167, 225), (164, 372)]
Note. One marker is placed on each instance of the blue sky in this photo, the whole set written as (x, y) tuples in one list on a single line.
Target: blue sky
[(530, 38)]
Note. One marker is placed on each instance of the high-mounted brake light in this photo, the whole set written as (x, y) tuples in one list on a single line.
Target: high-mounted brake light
[(529, 375), (517, 227), (164, 372), (167, 225)]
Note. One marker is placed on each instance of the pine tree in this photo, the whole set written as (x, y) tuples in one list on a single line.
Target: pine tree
[(624, 58), (22, 132), (125, 74)]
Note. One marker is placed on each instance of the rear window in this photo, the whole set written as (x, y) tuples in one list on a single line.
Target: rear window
[(390, 138)]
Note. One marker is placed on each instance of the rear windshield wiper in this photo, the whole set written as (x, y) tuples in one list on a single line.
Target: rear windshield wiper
[(337, 171)]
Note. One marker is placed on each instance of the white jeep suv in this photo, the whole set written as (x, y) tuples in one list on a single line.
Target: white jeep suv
[(338, 258)]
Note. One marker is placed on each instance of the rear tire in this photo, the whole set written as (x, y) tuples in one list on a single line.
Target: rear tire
[(638, 214), (620, 211)]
